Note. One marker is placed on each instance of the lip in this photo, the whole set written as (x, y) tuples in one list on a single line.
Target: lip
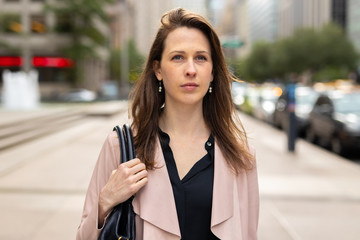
[(189, 86)]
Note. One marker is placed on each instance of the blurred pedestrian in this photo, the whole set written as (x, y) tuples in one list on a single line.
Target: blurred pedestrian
[(195, 175)]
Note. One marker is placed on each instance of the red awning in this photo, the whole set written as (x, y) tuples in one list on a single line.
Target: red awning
[(54, 62), (10, 61)]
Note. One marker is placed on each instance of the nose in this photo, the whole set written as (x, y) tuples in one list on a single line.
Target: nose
[(190, 69)]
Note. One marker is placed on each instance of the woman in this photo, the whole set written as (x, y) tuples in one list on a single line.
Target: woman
[(194, 176)]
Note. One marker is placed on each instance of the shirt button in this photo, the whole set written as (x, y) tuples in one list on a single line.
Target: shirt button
[(209, 144)]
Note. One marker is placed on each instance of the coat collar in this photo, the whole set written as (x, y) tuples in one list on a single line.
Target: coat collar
[(222, 206), (155, 202)]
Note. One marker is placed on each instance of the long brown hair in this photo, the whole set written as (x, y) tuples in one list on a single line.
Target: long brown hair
[(218, 108)]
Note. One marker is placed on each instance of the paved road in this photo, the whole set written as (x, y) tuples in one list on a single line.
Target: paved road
[(307, 195)]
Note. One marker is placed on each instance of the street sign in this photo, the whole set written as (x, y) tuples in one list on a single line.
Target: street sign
[(232, 44)]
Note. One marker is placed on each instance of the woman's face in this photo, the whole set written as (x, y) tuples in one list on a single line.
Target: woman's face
[(186, 66)]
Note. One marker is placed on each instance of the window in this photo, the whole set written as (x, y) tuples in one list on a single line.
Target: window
[(10, 23), (38, 24), (63, 23)]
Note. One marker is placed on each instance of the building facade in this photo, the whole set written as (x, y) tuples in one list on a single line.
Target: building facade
[(31, 38), (269, 20), (295, 14), (146, 15), (262, 20), (353, 27), (248, 21)]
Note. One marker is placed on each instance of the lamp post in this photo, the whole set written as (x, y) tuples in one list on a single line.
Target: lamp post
[(25, 22), (124, 53), (291, 130)]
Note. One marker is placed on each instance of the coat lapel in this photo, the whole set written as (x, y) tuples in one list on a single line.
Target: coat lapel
[(155, 202), (223, 190)]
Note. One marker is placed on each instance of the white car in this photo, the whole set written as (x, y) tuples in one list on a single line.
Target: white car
[(79, 95)]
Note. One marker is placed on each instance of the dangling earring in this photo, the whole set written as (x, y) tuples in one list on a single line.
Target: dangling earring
[(210, 88), (160, 87)]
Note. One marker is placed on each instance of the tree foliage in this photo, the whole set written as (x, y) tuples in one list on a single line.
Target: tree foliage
[(83, 17), (136, 61), (327, 54)]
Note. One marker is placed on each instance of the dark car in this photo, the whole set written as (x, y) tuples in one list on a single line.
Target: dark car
[(304, 101), (335, 122)]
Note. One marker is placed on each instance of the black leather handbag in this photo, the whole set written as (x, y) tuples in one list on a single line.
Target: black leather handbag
[(121, 222)]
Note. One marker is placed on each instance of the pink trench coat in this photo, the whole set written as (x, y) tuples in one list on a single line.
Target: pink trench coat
[(235, 208)]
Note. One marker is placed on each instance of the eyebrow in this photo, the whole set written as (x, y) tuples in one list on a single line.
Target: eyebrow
[(200, 51)]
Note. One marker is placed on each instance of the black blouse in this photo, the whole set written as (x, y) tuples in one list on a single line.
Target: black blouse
[(193, 193)]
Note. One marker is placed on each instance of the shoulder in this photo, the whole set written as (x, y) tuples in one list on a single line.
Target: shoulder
[(110, 152), (112, 139)]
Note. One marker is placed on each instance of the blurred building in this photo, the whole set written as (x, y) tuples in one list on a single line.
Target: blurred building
[(146, 15), (269, 20), (353, 26), (198, 6), (262, 20), (248, 21), (294, 14), (31, 38)]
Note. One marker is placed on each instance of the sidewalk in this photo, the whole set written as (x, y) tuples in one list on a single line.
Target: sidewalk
[(307, 195), (311, 194)]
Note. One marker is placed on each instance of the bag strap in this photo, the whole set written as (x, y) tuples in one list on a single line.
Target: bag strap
[(122, 144), (129, 140), (127, 149)]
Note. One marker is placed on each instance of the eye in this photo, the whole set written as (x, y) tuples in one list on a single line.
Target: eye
[(201, 58), (177, 57)]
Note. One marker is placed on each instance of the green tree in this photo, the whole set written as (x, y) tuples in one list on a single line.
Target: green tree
[(303, 50), (330, 73), (328, 54), (257, 65), (340, 50), (136, 61), (83, 17)]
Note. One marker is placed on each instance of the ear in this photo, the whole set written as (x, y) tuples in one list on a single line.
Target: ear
[(157, 70), (212, 77)]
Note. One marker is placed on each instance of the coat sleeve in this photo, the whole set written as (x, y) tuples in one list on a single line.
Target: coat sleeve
[(108, 160), (253, 201)]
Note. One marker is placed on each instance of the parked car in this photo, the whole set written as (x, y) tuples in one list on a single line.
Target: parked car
[(238, 90), (265, 106), (335, 121), (79, 95), (245, 96), (109, 90), (304, 101)]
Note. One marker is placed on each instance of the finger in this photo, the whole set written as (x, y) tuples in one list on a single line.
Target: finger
[(140, 175), (141, 183), (131, 162), (137, 168)]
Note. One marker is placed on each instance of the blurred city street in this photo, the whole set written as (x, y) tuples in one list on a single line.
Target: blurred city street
[(310, 194)]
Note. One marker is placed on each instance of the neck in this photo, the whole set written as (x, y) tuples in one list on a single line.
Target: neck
[(183, 121)]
